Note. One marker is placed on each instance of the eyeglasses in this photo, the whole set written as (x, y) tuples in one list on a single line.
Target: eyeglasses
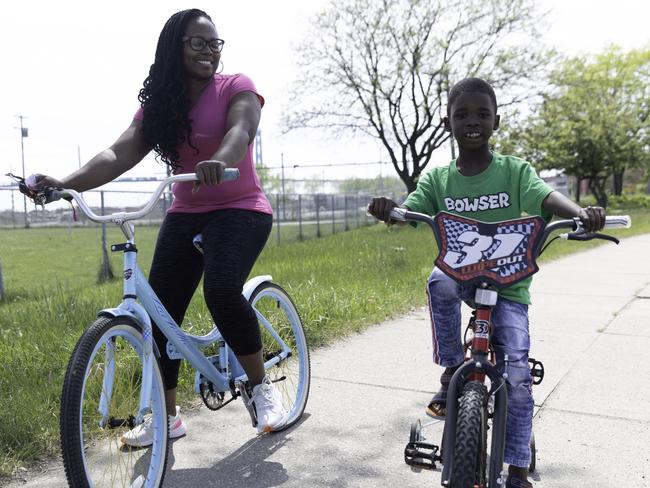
[(198, 43)]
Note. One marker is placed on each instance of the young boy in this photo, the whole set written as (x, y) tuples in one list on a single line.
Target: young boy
[(489, 187)]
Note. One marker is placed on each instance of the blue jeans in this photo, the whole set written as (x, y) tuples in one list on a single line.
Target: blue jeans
[(509, 336)]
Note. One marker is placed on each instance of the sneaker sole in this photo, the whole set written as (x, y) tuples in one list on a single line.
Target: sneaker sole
[(268, 429), (180, 431)]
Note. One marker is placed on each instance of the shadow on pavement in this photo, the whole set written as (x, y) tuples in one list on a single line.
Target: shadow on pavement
[(247, 467)]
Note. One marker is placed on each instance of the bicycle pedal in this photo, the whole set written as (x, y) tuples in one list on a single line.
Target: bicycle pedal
[(422, 455), (536, 370)]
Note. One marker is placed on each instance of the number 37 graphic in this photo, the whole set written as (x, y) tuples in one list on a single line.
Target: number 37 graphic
[(475, 244)]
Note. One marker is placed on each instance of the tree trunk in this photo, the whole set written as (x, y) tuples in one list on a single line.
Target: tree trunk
[(618, 182), (597, 187)]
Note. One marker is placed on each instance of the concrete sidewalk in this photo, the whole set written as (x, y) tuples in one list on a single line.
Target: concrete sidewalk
[(590, 325)]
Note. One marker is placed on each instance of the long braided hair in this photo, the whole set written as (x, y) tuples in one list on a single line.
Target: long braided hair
[(164, 96)]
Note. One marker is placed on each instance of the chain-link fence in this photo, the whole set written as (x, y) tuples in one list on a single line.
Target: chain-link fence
[(296, 216)]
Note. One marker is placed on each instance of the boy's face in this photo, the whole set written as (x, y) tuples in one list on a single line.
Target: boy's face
[(472, 119)]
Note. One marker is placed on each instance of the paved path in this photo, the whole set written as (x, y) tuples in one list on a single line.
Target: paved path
[(590, 326)]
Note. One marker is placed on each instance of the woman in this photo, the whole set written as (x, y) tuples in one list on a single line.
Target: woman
[(198, 120)]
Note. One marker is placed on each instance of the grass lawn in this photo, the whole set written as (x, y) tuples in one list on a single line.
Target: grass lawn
[(341, 284)]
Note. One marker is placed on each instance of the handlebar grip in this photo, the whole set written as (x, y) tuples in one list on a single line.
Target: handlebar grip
[(398, 214), (230, 174), (618, 222)]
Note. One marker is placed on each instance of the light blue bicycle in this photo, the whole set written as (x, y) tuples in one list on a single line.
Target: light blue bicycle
[(113, 381)]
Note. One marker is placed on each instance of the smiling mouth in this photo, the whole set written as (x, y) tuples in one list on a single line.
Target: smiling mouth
[(472, 135), (205, 62)]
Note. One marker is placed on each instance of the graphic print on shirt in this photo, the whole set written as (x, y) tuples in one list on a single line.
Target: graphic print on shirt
[(475, 204)]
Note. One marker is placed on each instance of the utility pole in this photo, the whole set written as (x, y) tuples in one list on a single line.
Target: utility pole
[(23, 133)]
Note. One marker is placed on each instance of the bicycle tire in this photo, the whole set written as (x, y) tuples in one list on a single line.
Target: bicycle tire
[(291, 376), (93, 455), (470, 450)]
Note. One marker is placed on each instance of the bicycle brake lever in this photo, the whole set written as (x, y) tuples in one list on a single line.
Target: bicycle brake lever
[(607, 237), (587, 236)]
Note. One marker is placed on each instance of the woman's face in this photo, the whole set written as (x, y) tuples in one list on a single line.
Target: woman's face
[(201, 61)]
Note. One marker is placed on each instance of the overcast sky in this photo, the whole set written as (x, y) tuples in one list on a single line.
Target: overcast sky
[(74, 69)]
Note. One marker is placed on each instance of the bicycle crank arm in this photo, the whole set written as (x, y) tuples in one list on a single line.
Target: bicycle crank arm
[(116, 423)]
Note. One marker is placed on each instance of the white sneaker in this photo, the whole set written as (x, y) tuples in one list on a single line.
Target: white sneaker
[(142, 435), (267, 401)]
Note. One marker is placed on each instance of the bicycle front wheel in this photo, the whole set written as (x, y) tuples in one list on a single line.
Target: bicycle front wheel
[(281, 326), (470, 451), (100, 399)]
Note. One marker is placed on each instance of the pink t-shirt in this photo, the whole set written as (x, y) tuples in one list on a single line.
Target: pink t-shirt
[(208, 118)]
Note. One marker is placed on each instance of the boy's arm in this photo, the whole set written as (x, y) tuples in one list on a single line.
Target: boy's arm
[(556, 203)]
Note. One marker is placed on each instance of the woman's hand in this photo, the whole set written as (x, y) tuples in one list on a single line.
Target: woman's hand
[(209, 172), (38, 181), (593, 218)]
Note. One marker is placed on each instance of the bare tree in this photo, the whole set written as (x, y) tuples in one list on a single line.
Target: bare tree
[(384, 67)]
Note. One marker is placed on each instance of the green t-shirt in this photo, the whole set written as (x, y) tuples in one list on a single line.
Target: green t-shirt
[(508, 189)]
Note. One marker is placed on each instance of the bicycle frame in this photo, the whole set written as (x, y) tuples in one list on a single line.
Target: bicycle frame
[(479, 365), (181, 345)]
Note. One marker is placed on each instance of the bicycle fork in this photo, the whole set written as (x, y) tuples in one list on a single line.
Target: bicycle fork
[(477, 364), (130, 308), (477, 368)]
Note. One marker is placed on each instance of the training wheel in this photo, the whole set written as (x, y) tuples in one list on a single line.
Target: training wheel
[(416, 430)]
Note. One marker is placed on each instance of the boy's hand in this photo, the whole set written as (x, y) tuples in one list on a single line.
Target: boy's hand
[(593, 218), (380, 208)]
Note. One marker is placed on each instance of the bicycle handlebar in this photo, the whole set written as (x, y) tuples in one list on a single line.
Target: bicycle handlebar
[(59, 193), (575, 224)]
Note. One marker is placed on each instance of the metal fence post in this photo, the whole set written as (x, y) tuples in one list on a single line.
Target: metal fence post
[(317, 215), (356, 208), (333, 214), (106, 272), (277, 218), (13, 211), (345, 211), (300, 217)]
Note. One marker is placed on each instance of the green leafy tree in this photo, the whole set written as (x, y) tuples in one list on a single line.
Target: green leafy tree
[(384, 67), (593, 121), (271, 182)]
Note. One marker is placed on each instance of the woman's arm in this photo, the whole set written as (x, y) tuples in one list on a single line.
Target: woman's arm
[(241, 126), (127, 151)]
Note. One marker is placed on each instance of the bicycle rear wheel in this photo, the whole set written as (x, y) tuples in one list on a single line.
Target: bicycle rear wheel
[(278, 316), (106, 367), (470, 451)]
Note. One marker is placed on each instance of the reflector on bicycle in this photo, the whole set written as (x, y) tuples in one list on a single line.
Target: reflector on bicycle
[(500, 253)]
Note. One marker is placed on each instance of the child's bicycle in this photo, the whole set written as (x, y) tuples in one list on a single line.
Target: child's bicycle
[(488, 256), (114, 380)]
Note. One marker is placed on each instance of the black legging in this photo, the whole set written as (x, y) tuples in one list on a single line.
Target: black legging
[(232, 241)]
